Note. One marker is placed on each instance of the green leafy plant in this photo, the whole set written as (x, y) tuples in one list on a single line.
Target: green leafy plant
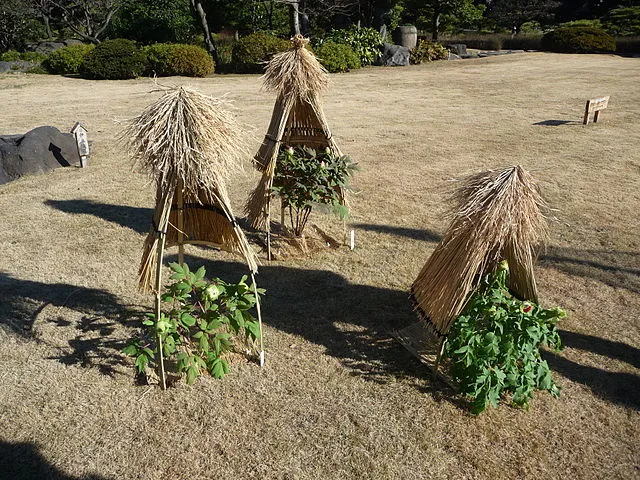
[(67, 60), (116, 59), (337, 57), (427, 51), (494, 345), (200, 325), (249, 54), (366, 42), (578, 40), (305, 177), (10, 56)]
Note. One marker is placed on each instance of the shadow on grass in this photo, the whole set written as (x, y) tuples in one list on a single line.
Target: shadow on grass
[(23, 461), (617, 387), (412, 233), (87, 332), (557, 123), (137, 219), (352, 322), (614, 268)]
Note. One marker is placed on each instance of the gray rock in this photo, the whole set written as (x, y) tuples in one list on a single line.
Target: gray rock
[(38, 151), (459, 49), (48, 47), (453, 56), (5, 67), (394, 56)]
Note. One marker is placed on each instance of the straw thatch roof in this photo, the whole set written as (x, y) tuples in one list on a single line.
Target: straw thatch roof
[(297, 78), (497, 215), (190, 144)]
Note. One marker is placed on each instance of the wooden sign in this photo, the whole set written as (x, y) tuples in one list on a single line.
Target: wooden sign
[(82, 140), (594, 106)]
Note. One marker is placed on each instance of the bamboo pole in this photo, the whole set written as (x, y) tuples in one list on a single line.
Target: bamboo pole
[(255, 292), (180, 202), (269, 230), (439, 357), (158, 286)]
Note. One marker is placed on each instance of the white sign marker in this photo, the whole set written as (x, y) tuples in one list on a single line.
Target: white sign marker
[(82, 140)]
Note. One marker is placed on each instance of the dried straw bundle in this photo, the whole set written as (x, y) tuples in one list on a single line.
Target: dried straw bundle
[(190, 145), (497, 215), (297, 119), (295, 73)]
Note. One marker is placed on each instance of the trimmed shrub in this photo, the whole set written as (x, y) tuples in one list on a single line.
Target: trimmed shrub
[(336, 57), (366, 42), (167, 59), (427, 51), (628, 44), (10, 56), (117, 59), (158, 56), (250, 53), (190, 61), (67, 60), (35, 57), (578, 40)]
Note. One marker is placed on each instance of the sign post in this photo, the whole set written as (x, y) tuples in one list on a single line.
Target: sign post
[(80, 134), (594, 106)]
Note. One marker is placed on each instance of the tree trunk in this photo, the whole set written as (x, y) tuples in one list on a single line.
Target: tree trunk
[(295, 17), (47, 27), (435, 25), (211, 47)]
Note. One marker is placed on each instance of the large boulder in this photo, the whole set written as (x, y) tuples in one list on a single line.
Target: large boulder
[(39, 151), (394, 56)]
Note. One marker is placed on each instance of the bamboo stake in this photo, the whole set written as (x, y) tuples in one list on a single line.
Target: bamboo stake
[(161, 239), (255, 292), (269, 231), (439, 357), (180, 201)]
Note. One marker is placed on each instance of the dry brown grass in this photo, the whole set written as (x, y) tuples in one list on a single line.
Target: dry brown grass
[(338, 398)]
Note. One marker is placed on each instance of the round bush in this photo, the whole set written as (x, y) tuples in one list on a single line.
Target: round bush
[(190, 61), (158, 56), (336, 57), (117, 59), (67, 60), (250, 53), (167, 59), (578, 40), (10, 56), (427, 52)]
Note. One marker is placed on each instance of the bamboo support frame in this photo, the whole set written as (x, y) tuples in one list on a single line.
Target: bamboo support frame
[(180, 201), (255, 292), (158, 288)]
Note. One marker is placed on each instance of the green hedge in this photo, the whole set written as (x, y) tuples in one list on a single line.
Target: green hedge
[(523, 42), (67, 60), (250, 53), (578, 40), (167, 59), (336, 57), (114, 60), (366, 42)]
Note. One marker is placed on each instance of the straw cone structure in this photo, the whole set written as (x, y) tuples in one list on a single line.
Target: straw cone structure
[(497, 215), (297, 78), (190, 145)]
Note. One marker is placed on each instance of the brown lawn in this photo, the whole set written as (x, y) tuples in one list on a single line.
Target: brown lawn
[(338, 398)]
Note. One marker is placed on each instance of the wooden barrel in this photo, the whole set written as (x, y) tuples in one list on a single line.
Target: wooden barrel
[(406, 35)]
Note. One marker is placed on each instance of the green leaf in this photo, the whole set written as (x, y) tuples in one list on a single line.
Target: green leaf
[(192, 374), (131, 349), (187, 320), (176, 268)]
